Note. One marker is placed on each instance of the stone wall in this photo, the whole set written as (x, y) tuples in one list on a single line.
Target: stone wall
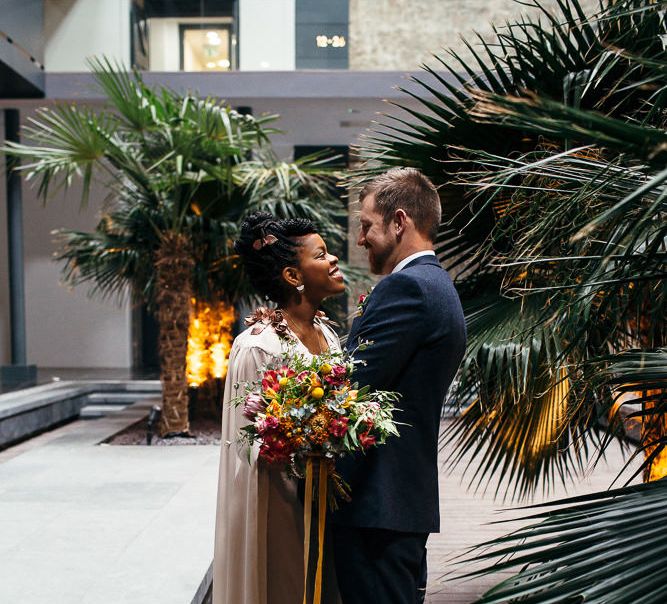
[(403, 34)]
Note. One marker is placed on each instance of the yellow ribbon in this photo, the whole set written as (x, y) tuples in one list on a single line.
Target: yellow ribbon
[(307, 511), (322, 512), (307, 515)]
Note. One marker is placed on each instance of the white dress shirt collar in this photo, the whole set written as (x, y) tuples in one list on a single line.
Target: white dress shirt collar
[(403, 263)]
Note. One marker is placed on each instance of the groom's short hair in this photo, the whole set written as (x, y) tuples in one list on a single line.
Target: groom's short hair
[(410, 190)]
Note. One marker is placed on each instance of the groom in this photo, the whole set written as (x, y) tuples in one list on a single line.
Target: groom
[(415, 321)]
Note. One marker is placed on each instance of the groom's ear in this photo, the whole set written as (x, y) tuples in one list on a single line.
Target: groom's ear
[(400, 222), (292, 276)]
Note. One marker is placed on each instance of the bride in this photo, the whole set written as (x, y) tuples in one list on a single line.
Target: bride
[(259, 521)]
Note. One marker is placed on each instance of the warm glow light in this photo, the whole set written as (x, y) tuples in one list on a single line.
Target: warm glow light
[(209, 342), (224, 63), (210, 65), (654, 429), (658, 465)]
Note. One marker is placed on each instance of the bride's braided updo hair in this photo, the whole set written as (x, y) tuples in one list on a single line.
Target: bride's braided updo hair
[(266, 246)]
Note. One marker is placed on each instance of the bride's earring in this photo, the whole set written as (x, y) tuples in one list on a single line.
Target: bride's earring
[(300, 288)]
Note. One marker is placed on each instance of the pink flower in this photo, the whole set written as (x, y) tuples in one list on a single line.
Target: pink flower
[(285, 371), (337, 376), (361, 303), (266, 424), (366, 440), (275, 448), (338, 426), (253, 405), (270, 380)]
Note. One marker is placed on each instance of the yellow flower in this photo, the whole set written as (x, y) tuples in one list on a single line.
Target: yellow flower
[(351, 396), (274, 408), (283, 382), (270, 392), (325, 369), (287, 426), (317, 393)]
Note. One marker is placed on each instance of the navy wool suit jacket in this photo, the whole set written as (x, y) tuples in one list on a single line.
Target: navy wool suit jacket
[(415, 321)]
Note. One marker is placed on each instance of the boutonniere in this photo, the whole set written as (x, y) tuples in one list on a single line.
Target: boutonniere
[(361, 303)]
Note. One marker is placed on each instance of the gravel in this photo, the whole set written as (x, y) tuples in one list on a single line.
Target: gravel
[(205, 431)]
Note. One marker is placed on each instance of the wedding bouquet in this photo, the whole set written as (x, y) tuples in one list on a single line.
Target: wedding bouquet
[(302, 408)]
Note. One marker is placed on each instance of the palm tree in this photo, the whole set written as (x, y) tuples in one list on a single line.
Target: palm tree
[(181, 173), (521, 194), (550, 154)]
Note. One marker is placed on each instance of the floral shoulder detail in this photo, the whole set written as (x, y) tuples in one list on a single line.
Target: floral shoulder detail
[(264, 317)]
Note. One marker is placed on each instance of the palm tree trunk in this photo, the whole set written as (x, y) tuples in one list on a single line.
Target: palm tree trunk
[(174, 265)]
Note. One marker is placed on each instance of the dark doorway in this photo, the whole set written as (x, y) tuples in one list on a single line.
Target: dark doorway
[(145, 352)]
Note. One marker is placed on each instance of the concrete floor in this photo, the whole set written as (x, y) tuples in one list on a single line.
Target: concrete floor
[(97, 524)]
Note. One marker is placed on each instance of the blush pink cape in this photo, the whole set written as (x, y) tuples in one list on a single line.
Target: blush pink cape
[(258, 556)]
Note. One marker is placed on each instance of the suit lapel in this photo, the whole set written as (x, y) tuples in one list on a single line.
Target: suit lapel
[(422, 260), (351, 344)]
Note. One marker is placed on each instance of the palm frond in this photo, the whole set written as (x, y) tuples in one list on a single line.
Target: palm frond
[(548, 151), (305, 188), (64, 143), (601, 548)]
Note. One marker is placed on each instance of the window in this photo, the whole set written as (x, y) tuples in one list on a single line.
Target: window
[(205, 47)]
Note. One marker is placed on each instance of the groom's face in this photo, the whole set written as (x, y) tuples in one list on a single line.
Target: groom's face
[(376, 237)]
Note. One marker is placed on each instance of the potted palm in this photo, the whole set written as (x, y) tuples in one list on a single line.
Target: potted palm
[(181, 174)]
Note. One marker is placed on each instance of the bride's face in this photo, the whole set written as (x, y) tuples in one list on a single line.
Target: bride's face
[(319, 270)]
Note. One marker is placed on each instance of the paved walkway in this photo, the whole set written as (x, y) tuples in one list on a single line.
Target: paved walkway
[(94, 524)]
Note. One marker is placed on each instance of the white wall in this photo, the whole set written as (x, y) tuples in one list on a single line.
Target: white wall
[(164, 44), (77, 29), (267, 35), (66, 328)]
